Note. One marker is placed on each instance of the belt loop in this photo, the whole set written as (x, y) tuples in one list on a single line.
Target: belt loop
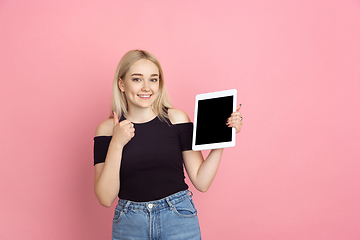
[(191, 193), (169, 203), (126, 206)]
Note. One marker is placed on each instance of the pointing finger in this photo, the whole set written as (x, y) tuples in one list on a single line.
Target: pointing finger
[(238, 107)]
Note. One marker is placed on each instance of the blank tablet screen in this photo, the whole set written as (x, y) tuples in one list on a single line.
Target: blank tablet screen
[(211, 120)]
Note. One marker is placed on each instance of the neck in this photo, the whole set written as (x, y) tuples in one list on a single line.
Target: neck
[(140, 115)]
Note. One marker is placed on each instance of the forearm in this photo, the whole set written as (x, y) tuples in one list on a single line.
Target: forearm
[(208, 169), (107, 185)]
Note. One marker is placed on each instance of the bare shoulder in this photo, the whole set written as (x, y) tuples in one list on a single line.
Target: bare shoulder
[(177, 116), (105, 128)]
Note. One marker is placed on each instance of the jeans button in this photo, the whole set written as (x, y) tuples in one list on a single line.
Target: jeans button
[(150, 205)]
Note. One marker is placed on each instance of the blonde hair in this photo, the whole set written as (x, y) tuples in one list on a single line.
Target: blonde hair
[(119, 101)]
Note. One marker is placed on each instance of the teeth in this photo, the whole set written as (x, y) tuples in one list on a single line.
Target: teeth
[(144, 96)]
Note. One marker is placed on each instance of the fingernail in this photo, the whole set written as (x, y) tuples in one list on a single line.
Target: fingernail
[(240, 104)]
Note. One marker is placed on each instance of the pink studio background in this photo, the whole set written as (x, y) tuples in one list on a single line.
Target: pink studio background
[(294, 173)]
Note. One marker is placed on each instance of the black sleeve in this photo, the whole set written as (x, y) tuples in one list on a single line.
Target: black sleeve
[(185, 135), (101, 145)]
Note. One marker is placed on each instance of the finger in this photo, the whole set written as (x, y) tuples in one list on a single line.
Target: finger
[(234, 121), (235, 117), (238, 107), (235, 114), (116, 118), (231, 122), (124, 122), (234, 125)]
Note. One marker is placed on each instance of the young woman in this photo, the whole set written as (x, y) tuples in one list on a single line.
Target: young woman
[(139, 153)]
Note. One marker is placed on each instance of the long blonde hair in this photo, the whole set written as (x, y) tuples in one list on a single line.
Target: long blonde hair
[(119, 101)]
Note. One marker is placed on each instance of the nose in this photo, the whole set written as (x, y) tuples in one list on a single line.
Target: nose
[(145, 86)]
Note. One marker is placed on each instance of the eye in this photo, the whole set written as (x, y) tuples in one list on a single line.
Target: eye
[(154, 80), (136, 79)]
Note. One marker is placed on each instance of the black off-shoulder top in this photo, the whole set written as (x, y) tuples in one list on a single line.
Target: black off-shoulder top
[(152, 164)]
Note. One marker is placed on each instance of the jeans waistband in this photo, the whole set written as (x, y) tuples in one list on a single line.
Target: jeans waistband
[(157, 204)]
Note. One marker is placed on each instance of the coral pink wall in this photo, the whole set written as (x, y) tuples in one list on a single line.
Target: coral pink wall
[(294, 173)]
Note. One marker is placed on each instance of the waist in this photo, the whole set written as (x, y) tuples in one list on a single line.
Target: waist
[(157, 204), (150, 189)]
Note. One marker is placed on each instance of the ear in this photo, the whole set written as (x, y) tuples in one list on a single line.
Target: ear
[(121, 85)]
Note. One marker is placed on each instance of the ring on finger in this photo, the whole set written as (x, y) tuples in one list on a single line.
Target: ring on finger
[(240, 119)]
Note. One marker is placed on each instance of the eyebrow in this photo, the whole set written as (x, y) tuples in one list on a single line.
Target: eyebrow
[(139, 74)]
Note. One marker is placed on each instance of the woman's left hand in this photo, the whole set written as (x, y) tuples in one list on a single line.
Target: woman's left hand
[(235, 120)]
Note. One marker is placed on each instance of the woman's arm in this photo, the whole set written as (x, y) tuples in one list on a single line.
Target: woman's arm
[(202, 172), (107, 177)]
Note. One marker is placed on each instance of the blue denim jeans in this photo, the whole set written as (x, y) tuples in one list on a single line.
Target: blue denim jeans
[(173, 217)]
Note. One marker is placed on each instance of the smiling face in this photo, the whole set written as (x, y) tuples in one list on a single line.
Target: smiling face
[(141, 84)]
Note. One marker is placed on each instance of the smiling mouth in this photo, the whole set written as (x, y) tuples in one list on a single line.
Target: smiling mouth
[(145, 96)]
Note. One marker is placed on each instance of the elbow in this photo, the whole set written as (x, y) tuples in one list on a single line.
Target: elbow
[(201, 186), (105, 202), (203, 189)]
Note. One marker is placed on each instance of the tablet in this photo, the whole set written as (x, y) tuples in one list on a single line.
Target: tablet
[(211, 113)]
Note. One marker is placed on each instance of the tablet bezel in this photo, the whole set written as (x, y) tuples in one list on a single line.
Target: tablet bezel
[(211, 95)]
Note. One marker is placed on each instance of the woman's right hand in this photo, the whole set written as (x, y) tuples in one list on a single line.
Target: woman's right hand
[(123, 131)]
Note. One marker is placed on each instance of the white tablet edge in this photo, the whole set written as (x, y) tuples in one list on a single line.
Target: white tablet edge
[(231, 92)]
